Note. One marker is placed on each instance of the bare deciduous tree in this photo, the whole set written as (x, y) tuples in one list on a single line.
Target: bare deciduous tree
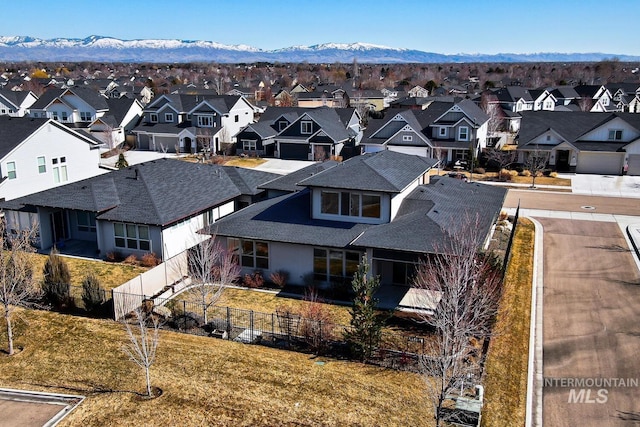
[(212, 268), (535, 163), (17, 287), (502, 158), (464, 287), (143, 332)]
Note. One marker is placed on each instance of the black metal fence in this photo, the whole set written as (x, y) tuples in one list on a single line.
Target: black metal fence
[(284, 329)]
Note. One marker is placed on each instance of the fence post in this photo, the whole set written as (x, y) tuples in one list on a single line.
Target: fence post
[(273, 321), (251, 324), (320, 326), (184, 306), (229, 322)]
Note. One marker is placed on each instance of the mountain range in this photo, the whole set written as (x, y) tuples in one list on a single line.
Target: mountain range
[(109, 49)]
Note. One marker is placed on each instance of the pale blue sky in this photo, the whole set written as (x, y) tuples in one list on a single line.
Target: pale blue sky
[(452, 26)]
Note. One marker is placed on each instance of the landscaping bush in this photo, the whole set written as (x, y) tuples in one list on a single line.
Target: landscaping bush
[(317, 322), (114, 256), (253, 280), (505, 175), (525, 173), (553, 174), (479, 171), (279, 278), (149, 260), (162, 311), (131, 259), (55, 286), (188, 320), (93, 295)]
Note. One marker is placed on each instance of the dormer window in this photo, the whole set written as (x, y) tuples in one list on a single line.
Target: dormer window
[(282, 124), (605, 101), (153, 118), (168, 117), (442, 132), (306, 127), (351, 204), (615, 135)]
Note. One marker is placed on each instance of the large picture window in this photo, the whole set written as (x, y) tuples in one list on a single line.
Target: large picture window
[(334, 265), (205, 121), (352, 204), (251, 253), (86, 221), (132, 236)]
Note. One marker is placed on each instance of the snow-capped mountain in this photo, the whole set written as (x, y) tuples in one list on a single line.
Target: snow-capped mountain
[(98, 48)]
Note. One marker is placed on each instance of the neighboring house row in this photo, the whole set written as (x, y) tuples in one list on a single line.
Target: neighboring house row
[(447, 131), (154, 207), (38, 154), (16, 103), (582, 142), (379, 205), (86, 109), (192, 123), (296, 133)]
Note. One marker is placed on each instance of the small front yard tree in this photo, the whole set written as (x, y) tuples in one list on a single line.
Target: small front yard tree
[(211, 268), (536, 162), (142, 329), (17, 287), (93, 295), (366, 322)]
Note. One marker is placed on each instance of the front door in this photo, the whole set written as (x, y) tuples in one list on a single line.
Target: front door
[(59, 226), (562, 160)]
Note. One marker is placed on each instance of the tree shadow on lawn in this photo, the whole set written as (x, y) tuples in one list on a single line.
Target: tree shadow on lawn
[(92, 389)]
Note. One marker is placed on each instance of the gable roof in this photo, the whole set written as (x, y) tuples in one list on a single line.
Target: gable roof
[(119, 107), (386, 171), (14, 130), (150, 193), (15, 97)]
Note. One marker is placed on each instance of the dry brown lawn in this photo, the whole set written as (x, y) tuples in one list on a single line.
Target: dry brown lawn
[(506, 368), (245, 162), (492, 176), (110, 274), (205, 381)]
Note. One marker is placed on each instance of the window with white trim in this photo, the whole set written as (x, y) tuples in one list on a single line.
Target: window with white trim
[(249, 144), (42, 164), (11, 170), (250, 253), (282, 124), (306, 127), (153, 118), (86, 221), (54, 115), (85, 116), (205, 121), (132, 236), (352, 204), (168, 117), (463, 133), (64, 116), (615, 135), (442, 132), (407, 138), (59, 170)]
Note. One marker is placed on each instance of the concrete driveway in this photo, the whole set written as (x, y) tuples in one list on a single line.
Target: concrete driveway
[(591, 325)]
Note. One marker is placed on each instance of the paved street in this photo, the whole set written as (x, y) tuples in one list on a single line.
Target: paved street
[(591, 302)]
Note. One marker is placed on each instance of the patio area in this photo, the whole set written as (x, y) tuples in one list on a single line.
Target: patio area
[(76, 248)]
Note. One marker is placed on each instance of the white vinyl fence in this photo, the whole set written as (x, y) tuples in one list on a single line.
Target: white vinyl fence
[(128, 296)]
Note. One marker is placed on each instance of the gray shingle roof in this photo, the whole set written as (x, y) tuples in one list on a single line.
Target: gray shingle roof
[(15, 97), (159, 192), (429, 210), (386, 171), (570, 125), (290, 181), (14, 130), (287, 219), (418, 227)]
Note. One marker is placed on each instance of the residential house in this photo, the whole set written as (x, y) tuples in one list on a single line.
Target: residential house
[(153, 207), (112, 128), (192, 123), (366, 100), (77, 106), (448, 131), (296, 133), (418, 92), (515, 98), (16, 103), (379, 205), (595, 98), (324, 96), (38, 154), (582, 142)]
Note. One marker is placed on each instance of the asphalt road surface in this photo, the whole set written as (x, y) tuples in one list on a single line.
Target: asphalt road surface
[(556, 201), (591, 324)]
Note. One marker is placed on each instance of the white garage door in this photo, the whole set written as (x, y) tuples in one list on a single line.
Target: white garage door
[(416, 151), (634, 164), (600, 163)]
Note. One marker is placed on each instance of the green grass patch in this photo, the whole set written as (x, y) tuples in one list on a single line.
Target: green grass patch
[(506, 367), (205, 381)]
